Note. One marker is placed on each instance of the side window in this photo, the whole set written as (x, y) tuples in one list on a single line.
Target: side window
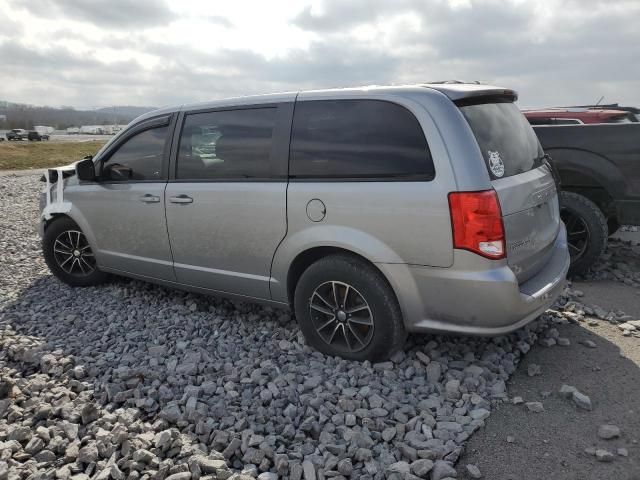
[(541, 121), (139, 158), (226, 144), (357, 139), (566, 121)]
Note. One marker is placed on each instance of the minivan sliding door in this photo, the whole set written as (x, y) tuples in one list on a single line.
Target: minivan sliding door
[(226, 205)]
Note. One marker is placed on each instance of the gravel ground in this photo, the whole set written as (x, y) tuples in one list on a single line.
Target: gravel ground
[(131, 380), (559, 443), (603, 361)]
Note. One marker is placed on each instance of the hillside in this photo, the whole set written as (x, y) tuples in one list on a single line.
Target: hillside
[(26, 116)]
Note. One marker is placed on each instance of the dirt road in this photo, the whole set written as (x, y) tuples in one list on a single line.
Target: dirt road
[(520, 444)]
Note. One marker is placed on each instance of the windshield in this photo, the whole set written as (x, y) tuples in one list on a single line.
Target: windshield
[(507, 141)]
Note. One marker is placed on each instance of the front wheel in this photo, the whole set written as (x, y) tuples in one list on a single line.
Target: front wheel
[(587, 231), (346, 308), (69, 256)]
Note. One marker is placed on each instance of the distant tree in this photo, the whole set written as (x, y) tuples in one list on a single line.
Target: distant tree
[(26, 116)]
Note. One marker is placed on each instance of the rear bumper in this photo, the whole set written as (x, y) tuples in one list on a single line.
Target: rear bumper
[(475, 296)]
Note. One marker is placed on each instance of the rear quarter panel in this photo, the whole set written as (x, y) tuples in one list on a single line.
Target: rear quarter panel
[(383, 221)]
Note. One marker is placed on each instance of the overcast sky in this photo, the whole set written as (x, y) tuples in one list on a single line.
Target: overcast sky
[(155, 52)]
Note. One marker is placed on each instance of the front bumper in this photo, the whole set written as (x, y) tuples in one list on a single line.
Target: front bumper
[(479, 299)]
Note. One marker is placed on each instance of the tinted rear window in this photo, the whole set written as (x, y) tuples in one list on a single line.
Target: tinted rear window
[(357, 139), (507, 141)]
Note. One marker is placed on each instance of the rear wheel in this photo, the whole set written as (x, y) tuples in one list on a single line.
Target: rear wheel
[(345, 307), (587, 231), (69, 256)]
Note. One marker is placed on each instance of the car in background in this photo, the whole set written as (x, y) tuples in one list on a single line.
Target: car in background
[(577, 116), (634, 111), (34, 135), (17, 134), (599, 171)]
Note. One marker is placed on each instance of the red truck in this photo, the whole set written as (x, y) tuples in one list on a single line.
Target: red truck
[(577, 116)]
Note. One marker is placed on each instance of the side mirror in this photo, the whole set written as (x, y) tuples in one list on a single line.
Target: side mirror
[(117, 172), (85, 169)]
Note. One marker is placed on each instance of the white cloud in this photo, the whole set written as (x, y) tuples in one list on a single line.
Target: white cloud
[(148, 52)]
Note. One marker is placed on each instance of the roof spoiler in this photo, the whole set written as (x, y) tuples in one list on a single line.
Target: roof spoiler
[(457, 91)]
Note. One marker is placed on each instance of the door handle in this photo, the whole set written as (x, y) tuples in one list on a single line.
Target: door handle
[(148, 198), (181, 199)]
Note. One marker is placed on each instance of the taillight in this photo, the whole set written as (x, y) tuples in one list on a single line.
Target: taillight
[(477, 223)]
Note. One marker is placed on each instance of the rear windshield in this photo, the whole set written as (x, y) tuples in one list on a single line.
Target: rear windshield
[(507, 141)]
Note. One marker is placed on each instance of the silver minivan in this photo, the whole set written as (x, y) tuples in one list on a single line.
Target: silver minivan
[(373, 212)]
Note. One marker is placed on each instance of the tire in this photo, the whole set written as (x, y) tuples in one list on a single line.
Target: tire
[(581, 214), (368, 326), (75, 269)]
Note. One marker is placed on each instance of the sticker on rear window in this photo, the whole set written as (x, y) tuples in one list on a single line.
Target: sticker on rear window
[(496, 164)]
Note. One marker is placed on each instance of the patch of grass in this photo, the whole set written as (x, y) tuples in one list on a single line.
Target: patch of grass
[(27, 155)]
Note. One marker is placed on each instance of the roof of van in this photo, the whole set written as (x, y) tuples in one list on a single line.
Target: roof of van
[(455, 90)]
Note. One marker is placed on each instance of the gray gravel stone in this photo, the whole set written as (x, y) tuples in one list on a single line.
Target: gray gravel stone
[(567, 391), (535, 407), (534, 370), (34, 446), (452, 389), (581, 400), (473, 471), (179, 476), (134, 381), (268, 475), (603, 455), (434, 370), (308, 470), (399, 467), (345, 467), (442, 469), (88, 454), (547, 342), (608, 431), (421, 467)]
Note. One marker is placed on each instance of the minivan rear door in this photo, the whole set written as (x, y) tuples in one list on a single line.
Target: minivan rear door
[(523, 182)]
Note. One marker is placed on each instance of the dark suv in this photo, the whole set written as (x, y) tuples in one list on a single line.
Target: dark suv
[(34, 135)]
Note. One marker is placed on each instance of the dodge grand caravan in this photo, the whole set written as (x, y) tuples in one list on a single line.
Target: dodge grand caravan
[(373, 212)]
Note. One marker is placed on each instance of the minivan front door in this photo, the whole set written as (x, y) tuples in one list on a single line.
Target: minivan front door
[(226, 205), (125, 209)]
